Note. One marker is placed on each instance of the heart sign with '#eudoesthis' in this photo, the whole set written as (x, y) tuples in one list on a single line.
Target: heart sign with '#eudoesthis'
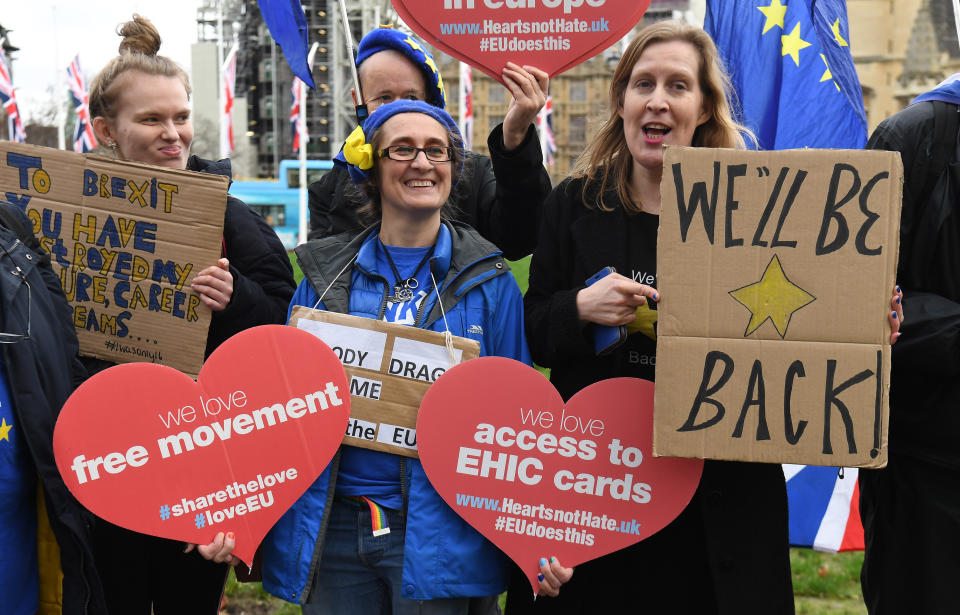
[(542, 478), (552, 35), (147, 448)]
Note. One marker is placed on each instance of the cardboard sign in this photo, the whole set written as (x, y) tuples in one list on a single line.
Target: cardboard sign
[(126, 240), (552, 35), (540, 478), (390, 367), (776, 270), (147, 448)]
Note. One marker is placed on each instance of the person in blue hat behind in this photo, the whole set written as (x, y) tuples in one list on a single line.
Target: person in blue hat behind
[(500, 196), (415, 267)]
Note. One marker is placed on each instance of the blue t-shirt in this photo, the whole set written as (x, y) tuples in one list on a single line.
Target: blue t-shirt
[(19, 576), (376, 474)]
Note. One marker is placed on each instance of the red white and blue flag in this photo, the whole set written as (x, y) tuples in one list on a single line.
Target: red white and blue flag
[(229, 75), (545, 124), (8, 99), (466, 105), (824, 508), (298, 94), (83, 138)]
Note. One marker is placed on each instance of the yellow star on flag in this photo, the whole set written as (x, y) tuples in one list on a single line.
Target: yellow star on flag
[(774, 12), (774, 297), (5, 430), (644, 322), (827, 75), (836, 33), (792, 44)]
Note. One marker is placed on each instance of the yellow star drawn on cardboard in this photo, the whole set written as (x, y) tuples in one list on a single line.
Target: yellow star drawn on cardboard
[(5, 430), (774, 297), (644, 322)]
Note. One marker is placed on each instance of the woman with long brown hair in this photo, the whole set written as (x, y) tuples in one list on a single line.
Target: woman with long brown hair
[(727, 552)]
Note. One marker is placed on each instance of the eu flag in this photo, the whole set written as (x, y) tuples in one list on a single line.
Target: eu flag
[(791, 66), (288, 26)]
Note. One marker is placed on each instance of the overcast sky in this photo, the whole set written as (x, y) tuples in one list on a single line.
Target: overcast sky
[(50, 33)]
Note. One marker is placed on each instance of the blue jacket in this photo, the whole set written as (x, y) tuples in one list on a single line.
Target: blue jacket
[(443, 557)]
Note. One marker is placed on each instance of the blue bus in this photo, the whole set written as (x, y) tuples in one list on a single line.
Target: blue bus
[(278, 200)]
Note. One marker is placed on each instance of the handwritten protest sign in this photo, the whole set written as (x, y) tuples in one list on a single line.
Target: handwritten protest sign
[(553, 35), (390, 367), (539, 477), (146, 448), (125, 239), (776, 270)]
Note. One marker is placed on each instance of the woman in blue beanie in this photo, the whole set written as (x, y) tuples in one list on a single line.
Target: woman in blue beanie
[(413, 267)]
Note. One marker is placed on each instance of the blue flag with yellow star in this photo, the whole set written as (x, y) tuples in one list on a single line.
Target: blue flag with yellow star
[(791, 67)]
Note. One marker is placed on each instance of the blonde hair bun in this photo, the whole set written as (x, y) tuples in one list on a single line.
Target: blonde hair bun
[(139, 36)]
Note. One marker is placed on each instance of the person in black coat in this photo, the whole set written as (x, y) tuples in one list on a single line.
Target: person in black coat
[(140, 108), (500, 196), (39, 369), (911, 508)]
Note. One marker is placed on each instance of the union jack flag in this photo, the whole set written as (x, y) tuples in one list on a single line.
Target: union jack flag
[(824, 508), (545, 123), (229, 71), (83, 138), (8, 99), (296, 105), (466, 105)]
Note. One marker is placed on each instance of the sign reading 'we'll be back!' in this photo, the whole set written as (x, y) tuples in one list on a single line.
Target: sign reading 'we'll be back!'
[(776, 271)]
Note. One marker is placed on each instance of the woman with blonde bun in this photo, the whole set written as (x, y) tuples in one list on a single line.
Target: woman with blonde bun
[(140, 103)]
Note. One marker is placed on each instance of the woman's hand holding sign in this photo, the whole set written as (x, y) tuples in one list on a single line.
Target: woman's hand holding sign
[(896, 316), (215, 285), (552, 576), (219, 551), (528, 86), (613, 300)]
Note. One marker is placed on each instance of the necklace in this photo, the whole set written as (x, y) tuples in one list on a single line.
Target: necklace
[(403, 288)]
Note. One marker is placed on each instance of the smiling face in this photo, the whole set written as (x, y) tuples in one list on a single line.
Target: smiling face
[(662, 103), (387, 76), (417, 188), (152, 121)]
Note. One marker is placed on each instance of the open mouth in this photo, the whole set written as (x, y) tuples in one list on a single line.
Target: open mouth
[(419, 183), (656, 132)]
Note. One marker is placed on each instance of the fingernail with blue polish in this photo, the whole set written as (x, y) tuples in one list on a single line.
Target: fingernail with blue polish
[(540, 578), (898, 289), (543, 561), (553, 559), (894, 315), (898, 300)]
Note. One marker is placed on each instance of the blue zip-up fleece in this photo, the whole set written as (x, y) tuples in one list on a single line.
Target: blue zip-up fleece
[(443, 556)]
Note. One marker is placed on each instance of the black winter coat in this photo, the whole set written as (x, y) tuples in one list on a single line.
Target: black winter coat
[(925, 367), (42, 372), (500, 196), (262, 275), (727, 552)]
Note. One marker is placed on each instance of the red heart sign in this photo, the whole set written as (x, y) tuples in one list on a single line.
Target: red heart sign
[(553, 35), (147, 448), (540, 478)]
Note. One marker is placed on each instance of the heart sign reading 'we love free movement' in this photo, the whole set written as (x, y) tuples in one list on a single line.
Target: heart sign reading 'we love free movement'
[(147, 448), (540, 478), (552, 35)]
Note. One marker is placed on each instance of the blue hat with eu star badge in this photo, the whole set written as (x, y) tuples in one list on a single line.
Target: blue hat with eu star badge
[(386, 38)]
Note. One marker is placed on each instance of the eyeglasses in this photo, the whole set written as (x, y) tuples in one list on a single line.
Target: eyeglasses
[(13, 338), (406, 153)]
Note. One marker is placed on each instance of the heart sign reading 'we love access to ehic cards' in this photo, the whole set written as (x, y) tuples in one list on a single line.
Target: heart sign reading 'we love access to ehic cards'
[(552, 35), (542, 478), (147, 448)]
